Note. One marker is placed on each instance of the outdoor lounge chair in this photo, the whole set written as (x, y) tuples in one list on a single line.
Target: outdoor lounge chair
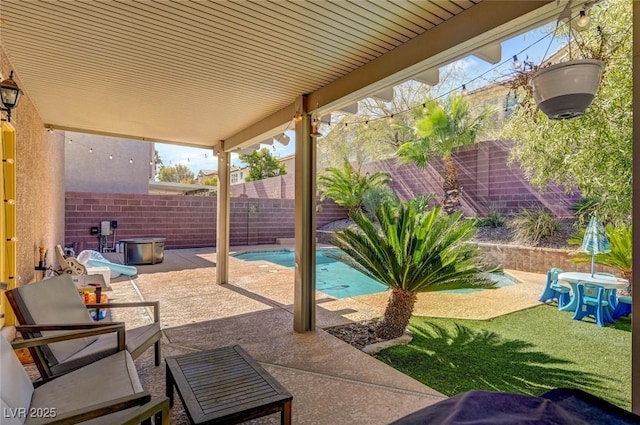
[(56, 301), (554, 291), (105, 392)]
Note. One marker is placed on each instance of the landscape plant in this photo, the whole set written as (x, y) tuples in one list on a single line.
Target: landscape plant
[(411, 250), (348, 187), (262, 165), (532, 226), (493, 219), (176, 173)]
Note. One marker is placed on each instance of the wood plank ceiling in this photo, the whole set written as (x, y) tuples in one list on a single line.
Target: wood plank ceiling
[(196, 72)]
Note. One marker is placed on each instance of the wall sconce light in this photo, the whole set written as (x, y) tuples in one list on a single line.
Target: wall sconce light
[(9, 95)]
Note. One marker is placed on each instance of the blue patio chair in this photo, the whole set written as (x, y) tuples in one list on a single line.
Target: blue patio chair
[(592, 301), (554, 291), (623, 308)]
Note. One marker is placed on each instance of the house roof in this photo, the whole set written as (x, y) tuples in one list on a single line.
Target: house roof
[(196, 73)]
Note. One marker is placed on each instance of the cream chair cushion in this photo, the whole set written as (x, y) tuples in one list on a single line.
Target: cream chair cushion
[(16, 388)]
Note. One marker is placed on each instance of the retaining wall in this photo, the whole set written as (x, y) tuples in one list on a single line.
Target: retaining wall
[(534, 260)]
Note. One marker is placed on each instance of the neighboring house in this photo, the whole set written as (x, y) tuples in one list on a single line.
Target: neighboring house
[(105, 164), (238, 174), (206, 174)]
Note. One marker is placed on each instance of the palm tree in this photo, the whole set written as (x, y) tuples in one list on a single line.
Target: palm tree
[(444, 127), (620, 258), (412, 251), (348, 188)]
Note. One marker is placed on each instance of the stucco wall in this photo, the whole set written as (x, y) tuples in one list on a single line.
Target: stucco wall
[(185, 221), (40, 192), (89, 169)]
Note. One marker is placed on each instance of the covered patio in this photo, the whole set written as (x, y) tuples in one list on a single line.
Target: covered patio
[(226, 76)]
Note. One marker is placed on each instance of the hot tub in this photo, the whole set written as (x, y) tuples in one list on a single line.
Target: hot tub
[(143, 250)]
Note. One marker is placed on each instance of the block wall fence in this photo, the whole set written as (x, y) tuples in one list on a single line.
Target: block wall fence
[(485, 177), (185, 221)]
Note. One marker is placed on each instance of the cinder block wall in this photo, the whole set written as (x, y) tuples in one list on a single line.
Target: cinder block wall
[(185, 221), (485, 179)]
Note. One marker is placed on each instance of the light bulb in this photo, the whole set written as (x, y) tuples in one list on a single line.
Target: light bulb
[(464, 90), (130, 160), (516, 63), (70, 141), (151, 163), (90, 150), (10, 201), (366, 124), (583, 20), (424, 109), (110, 156), (8, 160), (390, 118)]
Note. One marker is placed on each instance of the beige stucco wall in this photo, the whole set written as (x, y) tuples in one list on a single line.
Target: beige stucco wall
[(40, 176), (89, 169)]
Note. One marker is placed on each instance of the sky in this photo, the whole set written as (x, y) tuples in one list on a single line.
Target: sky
[(533, 46)]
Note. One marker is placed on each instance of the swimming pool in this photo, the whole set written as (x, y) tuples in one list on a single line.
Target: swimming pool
[(339, 280)]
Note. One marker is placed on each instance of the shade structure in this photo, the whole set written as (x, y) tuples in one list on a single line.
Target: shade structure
[(595, 240)]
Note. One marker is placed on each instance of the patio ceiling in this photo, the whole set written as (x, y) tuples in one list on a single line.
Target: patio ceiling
[(195, 73)]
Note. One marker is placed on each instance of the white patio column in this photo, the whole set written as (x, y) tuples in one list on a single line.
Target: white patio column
[(304, 309), (222, 220)]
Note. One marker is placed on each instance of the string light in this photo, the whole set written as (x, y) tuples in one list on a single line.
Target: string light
[(10, 201), (90, 150), (8, 160), (70, 141), (130, 160), (424, 109), (464, 90), (390, 118), (583, 20), (110, 156)]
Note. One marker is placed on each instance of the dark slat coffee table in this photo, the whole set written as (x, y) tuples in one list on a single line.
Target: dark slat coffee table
[(225, 386)]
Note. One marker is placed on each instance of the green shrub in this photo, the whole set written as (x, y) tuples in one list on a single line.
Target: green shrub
[(583, 209), (530, 226), (492, 219)]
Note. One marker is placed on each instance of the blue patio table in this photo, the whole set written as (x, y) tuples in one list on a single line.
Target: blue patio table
[(571, 280)]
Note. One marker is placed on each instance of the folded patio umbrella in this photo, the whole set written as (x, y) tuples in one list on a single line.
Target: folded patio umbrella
[(595, 241)]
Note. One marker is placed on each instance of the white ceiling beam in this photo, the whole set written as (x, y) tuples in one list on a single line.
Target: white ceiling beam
[(349, 109), (430, 77), (491, 53), (128, 136), (385, 95)]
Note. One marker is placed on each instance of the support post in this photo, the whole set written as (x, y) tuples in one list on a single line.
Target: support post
[(222, 220), (304, 311)]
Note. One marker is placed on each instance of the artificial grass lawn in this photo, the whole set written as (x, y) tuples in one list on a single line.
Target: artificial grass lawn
[(527, 352)]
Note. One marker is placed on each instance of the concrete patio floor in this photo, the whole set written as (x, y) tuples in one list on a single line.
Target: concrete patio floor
[(331, 381)]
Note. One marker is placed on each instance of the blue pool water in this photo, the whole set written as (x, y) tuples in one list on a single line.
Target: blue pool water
[(333, 277), (337, 279)]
